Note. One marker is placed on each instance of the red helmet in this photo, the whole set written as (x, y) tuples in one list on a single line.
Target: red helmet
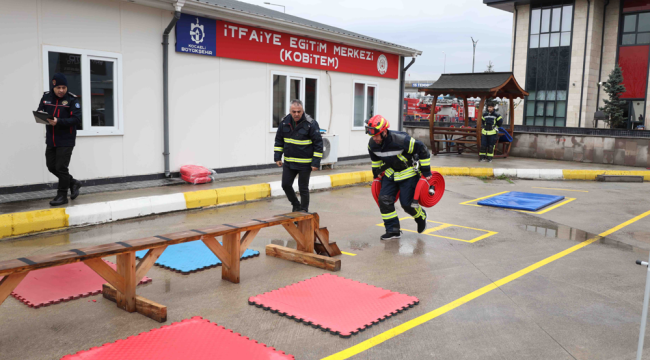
[(376, 125)]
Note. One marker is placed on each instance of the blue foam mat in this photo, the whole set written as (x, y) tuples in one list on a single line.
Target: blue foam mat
[(190, 257), (521, 201)]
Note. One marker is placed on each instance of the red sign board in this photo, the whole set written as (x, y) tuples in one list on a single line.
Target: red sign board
[(254, 44)]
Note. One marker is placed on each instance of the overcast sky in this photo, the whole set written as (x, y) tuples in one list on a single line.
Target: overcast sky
[(432, 26)]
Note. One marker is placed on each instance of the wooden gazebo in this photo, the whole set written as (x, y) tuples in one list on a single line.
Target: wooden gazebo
[(463, 86)]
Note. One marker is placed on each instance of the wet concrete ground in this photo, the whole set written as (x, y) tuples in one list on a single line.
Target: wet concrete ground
[(585, 305)]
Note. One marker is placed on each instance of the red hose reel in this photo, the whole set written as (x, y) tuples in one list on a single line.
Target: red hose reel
[(427, 193)]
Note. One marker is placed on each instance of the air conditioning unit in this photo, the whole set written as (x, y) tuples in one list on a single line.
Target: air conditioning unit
[(330, 150)]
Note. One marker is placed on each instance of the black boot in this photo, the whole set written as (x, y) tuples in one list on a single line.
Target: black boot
[(74, 189), (60, 199), (422, 222), (391, 235), (296, 208)]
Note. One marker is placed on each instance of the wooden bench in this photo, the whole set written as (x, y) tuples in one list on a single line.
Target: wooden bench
[(303, 227)]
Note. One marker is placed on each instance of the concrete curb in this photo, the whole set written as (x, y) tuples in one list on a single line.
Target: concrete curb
[(16, 224)]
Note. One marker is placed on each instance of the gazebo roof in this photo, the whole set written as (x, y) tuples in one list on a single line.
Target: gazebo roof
[(495, 84)]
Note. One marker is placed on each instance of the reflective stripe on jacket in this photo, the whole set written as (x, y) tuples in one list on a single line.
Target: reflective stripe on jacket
[(396, 155), (491, 122)]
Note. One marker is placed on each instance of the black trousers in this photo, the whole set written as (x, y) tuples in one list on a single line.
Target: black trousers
[(58, 160), (288, 176), (389, 190), (487, 145)]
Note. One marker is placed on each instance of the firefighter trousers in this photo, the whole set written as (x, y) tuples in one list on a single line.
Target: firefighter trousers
[(487, 145), (389, 190)]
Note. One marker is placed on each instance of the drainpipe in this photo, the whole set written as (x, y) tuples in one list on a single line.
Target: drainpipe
[(514, 42), (165, 44), (584, 63), (401, 90), (600, 69)]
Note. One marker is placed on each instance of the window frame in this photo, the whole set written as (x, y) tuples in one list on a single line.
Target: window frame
[(366, 84), (303, 83), (86, 56), (622, 33)]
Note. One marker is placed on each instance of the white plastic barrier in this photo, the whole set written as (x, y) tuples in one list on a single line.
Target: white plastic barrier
[(320, 182), (89, 214), (507, 172), (551, 174), (130, 208), (528, 174), (167, 203)]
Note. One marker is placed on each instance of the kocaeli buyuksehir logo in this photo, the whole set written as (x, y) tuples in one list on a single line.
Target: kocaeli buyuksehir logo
[(197, 32), (196, 35)]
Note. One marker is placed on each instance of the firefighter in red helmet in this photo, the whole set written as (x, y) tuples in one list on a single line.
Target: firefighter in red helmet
[(395, 154)]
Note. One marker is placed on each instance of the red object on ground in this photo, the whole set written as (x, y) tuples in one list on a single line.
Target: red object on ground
[(335, 304), (196, 174), (194, 338), (59, 284), (422, 194)]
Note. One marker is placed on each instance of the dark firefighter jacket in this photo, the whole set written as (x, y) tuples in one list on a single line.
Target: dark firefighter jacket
[(67, 110), (491, 123), (396, 153), (301, 142)]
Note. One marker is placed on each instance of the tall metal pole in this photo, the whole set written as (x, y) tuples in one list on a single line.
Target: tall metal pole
[(644, 313), (474, 53), (444, 66)]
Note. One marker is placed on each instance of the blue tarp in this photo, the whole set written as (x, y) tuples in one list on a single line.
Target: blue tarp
[(190, 256), (521, 201), (505, 137)]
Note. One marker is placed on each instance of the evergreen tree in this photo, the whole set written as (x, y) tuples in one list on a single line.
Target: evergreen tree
[(490, 67), (614, 106)]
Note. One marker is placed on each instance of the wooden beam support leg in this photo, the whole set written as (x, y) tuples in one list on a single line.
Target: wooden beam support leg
[(232, 244), (295, 234), (147, 262), (9, 283), (146, 307), (126, 268), (217, 249), (246, 240), (306, 227), (106, 272)]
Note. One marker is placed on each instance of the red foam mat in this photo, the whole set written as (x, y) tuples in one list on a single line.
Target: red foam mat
[(61, 283), (194, 338), (335, 304)]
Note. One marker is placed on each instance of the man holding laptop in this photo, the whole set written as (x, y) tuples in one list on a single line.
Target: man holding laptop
[(64, 113)]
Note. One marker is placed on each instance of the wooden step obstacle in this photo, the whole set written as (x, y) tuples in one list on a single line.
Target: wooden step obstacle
[(302, 226)]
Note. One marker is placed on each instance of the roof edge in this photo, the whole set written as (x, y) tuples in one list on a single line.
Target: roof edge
[(196, 7)]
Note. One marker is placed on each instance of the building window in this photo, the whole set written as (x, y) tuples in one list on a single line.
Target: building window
[(288, 87), (95, 78), (365, 98), (551, 27), (548, 65), (636, 29)]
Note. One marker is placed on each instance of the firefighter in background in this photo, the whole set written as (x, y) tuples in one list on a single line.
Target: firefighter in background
[(491, 122), (395, 153)]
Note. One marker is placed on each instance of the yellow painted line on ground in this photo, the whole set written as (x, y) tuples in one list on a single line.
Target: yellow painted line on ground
[(347, 253), (389, 334), (484, 197), (535, 187), (429, 232), (568, 200)]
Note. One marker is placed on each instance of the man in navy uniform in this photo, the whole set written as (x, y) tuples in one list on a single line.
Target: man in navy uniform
[(65, 115), (299, 139)]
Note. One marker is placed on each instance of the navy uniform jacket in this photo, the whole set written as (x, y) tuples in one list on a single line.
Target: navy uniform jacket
[(396, 153), (491, 121), (300, 142), (67, 110)]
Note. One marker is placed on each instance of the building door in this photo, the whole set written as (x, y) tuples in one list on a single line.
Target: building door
[(634, 113)]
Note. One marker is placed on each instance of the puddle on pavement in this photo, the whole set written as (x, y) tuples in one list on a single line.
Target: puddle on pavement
[(568, 233), (358, 246), (405, 246)]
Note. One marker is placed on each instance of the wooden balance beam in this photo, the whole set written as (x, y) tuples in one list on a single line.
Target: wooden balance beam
[(122, 281)]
